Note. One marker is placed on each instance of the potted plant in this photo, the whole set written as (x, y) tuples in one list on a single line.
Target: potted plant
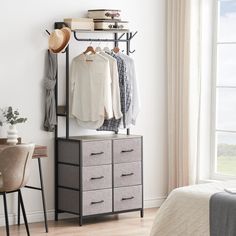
[(12, 117)]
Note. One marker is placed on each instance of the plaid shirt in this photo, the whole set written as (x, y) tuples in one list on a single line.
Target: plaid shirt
[(125, 97)]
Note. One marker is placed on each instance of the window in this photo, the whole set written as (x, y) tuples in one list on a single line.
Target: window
[(224, 94)]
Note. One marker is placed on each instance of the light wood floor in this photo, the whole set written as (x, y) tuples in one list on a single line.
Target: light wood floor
[(128, 224)]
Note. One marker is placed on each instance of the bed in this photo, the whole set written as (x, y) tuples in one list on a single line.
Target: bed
[(186, 210)]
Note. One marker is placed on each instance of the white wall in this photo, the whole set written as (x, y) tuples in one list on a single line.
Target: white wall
[(23, 42)]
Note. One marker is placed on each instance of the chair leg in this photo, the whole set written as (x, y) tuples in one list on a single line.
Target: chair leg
[(23, 212), (18, 210), (43, 197), (6, 213)]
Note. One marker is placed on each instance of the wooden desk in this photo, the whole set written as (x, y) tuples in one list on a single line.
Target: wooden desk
[(39, 152)]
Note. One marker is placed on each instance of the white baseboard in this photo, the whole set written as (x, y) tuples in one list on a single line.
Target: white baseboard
[(156, 202), (39, 216), (31, 217)]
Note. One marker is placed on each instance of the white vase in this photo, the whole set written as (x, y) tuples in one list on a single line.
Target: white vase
[(12, 135)]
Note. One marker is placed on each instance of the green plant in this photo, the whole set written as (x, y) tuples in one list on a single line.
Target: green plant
[(12, 117)]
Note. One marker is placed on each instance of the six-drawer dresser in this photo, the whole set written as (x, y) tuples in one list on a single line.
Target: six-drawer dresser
[(98, 175)]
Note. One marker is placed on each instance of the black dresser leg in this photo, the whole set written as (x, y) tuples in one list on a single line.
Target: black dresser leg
[(141, 213), (80, 221), (56, 215)]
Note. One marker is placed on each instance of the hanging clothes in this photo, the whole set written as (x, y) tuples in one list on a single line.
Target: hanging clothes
[(134, 109), (91, 90), (125, 97), (115, 87), (50, 119)]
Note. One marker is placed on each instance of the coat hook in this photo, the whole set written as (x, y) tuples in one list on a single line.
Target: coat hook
[(47, 32), (120, 37), (132, 35), (132, 51), (64, 50)]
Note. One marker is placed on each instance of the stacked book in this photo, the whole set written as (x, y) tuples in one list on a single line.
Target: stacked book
[(83, 24), (107, 19)]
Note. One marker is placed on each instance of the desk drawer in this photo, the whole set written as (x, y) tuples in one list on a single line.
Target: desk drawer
[(97, 202), (127, 150), (97, 177), (126, 174), (68, 176), (96, 153), (127, 198)]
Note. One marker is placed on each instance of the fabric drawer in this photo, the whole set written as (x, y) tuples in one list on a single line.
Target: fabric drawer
[(68, 200), (96, 153), (97, 202), (127, 150), (68, 176), (97, 177), (68, 152), (127, 198), (126, 174)]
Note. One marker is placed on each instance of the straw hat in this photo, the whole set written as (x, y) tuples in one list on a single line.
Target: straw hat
[(59, 39)]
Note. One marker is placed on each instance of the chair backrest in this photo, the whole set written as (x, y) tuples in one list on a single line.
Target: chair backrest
[(15, 166)]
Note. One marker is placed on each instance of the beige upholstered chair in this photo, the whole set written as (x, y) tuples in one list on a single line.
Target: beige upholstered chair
[(14, 174)]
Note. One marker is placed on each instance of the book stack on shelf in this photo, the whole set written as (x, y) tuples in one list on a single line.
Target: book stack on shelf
[(107, 19), (82, 24)]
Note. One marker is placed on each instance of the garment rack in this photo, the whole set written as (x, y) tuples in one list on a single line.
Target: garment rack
[(116, 39), (119, 36)]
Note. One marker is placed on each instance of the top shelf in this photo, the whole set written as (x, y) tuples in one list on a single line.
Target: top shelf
[(102, 31)]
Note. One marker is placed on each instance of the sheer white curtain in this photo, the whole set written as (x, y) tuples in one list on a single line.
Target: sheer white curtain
[(184, 83)]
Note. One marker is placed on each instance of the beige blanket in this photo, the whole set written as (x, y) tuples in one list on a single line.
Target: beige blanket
[(186, 210)]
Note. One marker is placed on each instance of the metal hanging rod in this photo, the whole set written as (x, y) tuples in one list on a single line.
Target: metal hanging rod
[(106, 40), (131, 36)]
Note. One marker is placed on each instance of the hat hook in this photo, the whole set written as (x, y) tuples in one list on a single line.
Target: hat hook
[(47, 32)]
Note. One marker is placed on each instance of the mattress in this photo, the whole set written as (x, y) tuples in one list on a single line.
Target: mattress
[(186, 210)]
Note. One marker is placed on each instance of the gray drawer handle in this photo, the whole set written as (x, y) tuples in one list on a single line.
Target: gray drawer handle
[(129, 150), (94, 178), (99, 202), (96, 153), (127, 198), (129, 174)]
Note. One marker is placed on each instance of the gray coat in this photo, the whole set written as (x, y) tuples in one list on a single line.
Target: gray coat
[(50, 119)]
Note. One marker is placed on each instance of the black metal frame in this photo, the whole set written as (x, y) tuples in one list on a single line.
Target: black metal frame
[(116, 40), (41, 188), (21, 203)]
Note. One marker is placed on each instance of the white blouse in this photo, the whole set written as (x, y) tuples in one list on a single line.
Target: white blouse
[(91, 90), (115, 87)]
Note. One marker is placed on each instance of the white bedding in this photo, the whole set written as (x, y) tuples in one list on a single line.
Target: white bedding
[(186, 210)]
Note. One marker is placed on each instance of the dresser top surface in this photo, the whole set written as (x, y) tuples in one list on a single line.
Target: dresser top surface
[(100, 137)]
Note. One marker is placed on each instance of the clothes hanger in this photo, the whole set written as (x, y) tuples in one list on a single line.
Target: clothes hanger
[(98, 48), (89, 49), (116, 50), (106, 49)]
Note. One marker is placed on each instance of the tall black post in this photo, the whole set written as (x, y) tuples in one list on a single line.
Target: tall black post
[(67, 94)]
